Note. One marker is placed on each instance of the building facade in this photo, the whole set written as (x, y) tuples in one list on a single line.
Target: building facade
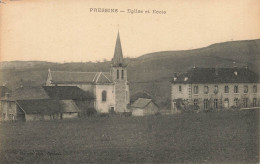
[(110, 89), (215, 88)]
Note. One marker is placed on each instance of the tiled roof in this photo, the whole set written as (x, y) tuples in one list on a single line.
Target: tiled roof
[(141, 103), (50, 92), (67, 93), (217, 75), (62, 77), (28, 93), (40, 106), (47, 106), (69, 106)]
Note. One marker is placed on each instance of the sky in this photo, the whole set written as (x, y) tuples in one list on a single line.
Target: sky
[(68, 31)]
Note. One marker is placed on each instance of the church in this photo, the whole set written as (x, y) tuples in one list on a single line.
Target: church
[(110, 89)]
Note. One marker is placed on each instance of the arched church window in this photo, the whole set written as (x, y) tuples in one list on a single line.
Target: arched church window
[(117, 74), (104, 96), (122, 76)]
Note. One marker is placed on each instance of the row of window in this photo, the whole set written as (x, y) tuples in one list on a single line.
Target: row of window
[(226, 89), (122, 74), (226, 102)]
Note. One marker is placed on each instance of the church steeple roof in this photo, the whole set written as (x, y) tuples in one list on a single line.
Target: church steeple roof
[(118, 54)]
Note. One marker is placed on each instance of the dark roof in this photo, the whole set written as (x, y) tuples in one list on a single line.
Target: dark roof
[(217, 75), (69, 106), (40, 106), (50, 92), (28, 93), (67, 93), (62, 77), (47, 106), (3, 90), (141, 103)]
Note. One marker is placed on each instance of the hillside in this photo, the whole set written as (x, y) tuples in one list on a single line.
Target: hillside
[(150, 72)]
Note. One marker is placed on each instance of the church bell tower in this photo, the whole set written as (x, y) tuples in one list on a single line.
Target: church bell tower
[(119, 77)]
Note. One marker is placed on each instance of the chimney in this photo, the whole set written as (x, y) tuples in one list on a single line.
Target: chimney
[(186, 76), (175, 76)]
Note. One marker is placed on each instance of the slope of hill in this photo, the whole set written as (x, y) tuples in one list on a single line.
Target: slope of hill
[(150, 73)]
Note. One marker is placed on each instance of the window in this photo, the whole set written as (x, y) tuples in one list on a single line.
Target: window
[(104, 96), (254, 102), (215, 103), (179, 88), (226, 89), (206, 89), (117, 74), (255, 89), (235, 89), (245, 102), (226, 103), (206, 103), (245, 89), (122, 74), (196, 89), (196, 101), (216, 89), (236, 102)]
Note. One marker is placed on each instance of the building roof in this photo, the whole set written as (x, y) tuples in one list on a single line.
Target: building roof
[(64, 77), (141, 103), (68, 106), (217, 75), (40, 106), (3, 90), (47, 106), (137, 95), (118, 54), (67, 93), (27, 93), (50, 92)]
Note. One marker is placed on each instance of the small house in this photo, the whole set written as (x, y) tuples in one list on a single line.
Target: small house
[(143, 107)]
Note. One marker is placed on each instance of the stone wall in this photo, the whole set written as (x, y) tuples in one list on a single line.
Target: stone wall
[(188, 93)]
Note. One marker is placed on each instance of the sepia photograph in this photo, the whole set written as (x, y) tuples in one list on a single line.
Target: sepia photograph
[(129, 81)]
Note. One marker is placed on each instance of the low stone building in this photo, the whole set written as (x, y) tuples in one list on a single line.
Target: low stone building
[(144, 107), (46, 103), (215, 88)]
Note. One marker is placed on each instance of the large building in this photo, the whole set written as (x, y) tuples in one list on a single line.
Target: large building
[(71, 94), (215, 88), (110, 89)]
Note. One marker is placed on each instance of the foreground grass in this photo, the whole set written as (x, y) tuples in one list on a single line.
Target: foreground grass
[(229, 137)]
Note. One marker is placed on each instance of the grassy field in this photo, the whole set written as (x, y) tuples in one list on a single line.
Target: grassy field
[(229, 137)]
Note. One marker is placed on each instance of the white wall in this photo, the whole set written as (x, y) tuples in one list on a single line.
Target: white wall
[(103, 107)]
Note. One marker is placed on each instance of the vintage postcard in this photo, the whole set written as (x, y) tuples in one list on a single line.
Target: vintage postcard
[(129, 81)]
